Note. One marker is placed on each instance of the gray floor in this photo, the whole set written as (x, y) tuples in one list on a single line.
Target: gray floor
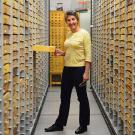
[(50, 112)]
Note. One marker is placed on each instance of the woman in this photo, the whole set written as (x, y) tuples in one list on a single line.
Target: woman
[(77, 58)]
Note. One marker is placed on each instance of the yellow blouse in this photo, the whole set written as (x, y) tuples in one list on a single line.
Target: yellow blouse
[(78, 48)]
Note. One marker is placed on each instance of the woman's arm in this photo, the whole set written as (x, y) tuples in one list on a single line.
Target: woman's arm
[(87, 48), (86, 72)]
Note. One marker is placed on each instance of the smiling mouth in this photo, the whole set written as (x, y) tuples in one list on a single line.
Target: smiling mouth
[(72, 25)]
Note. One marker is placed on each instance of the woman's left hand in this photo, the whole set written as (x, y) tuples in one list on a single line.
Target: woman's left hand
[(86, 76)]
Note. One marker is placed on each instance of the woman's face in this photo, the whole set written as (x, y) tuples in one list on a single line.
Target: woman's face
[(72, 22)]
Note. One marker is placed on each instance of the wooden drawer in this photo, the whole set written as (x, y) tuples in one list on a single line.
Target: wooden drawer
[(15, 38), (15, 54), (22, 8), (123, 4), (130, 8), (6, 9), (123, 17), (130, 15), (15, 4), (122, 37), (122, 31), (22, 23), (15, 30), (6, 39), (129, 2), (6, 48), (15, 21), (6, 68), (6, 29), (7, 2), (15, 13), (22, 2), (6, 19), (129, 38), (129, 30), (6, 77), (15, 46), (129, 46), (130, 23), (15, 63)]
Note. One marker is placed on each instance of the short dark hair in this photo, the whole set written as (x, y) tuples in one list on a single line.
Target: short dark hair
[(71, 12)]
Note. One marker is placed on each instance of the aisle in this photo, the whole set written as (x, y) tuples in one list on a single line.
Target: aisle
[(50, 111)]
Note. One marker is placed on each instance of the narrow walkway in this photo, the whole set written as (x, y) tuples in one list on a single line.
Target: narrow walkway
[(50, 112)]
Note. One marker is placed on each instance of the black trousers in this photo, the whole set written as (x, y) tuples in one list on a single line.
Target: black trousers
[(73, 76)]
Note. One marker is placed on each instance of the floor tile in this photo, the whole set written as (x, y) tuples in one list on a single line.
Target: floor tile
[(50, 111), (97, 122)]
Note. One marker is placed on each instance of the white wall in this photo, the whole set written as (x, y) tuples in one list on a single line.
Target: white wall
[(67, 4), (74, 4), (85, 20)]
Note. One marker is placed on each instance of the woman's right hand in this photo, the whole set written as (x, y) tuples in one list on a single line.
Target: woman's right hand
[(59, 52)]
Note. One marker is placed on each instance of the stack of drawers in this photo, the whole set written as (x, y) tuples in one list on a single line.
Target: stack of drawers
[(57, 37)]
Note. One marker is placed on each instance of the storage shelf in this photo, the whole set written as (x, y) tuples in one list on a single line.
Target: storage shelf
[(112, 46), (57, 37), (19, 68)]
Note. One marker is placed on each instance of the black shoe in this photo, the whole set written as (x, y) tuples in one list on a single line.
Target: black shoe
[(53, 128), (81, 129)]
